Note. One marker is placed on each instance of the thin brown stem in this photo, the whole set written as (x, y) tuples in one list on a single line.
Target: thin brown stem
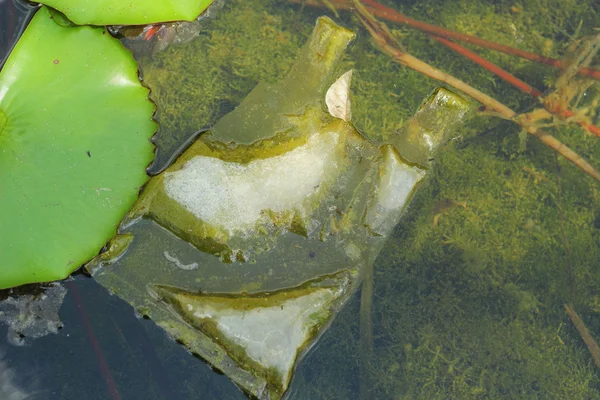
[(516, 82), (384, 40), (565, 239), (585, 334), (391, 15), (366, 333)]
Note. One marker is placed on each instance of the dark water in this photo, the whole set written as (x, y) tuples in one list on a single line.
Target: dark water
[(469, 298), (103, 340), (14, 16)]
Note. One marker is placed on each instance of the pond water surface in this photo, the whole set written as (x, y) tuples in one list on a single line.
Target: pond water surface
[(469, 291)]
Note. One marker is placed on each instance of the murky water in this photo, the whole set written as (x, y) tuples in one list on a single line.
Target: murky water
[(469, 291), (14, 16)]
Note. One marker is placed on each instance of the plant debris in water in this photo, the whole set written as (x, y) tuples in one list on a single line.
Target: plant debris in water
[(31, 316)]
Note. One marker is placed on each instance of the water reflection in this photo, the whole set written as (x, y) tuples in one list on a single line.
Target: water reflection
[(14, 17)]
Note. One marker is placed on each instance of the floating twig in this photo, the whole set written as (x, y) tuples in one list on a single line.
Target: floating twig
[(443, 35)]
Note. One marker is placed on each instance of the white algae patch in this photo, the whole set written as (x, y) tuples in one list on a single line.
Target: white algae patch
[(29, 316), (233, 196)]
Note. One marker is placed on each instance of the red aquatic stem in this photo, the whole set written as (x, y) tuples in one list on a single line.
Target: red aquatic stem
[(104, 369), (513, 80), (386, 43), (584, 124), (493, 68), (394, 16), (391, 15)]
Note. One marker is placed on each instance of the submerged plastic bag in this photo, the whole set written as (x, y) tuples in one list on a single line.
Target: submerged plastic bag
[(249, 244)]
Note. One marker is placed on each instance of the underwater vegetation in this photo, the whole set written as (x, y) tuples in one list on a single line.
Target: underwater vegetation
[(469, 291)]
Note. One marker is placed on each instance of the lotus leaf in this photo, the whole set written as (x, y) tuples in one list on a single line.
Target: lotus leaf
[(75, 124), (132, 12)]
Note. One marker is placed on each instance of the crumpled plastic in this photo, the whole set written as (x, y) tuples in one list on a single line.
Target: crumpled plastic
[(245, 248)]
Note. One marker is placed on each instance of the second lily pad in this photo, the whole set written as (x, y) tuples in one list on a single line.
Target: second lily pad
[(132, 12)]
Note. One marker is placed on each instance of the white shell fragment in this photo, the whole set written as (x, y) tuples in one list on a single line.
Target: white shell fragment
[(338, 98)]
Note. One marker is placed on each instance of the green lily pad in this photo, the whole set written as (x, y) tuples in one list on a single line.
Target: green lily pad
[(131, 12), (75, 124)]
